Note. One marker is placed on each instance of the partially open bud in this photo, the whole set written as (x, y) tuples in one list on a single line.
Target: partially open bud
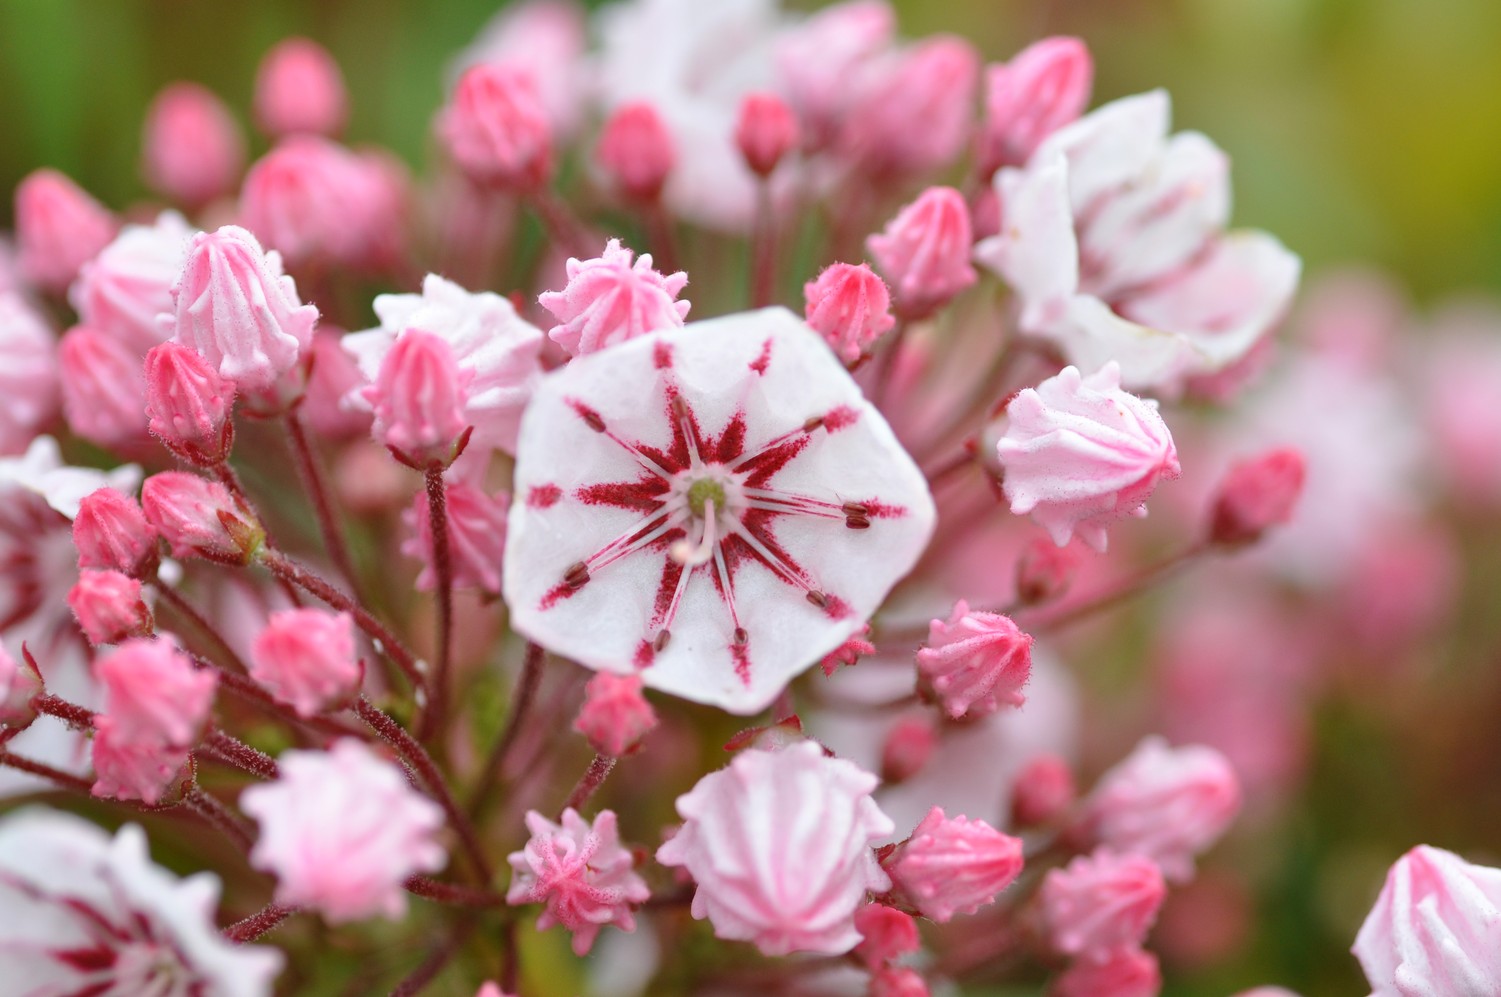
[(615, 715), (925, 251), (111, 532), (765, 131), (975, 662), (1043, 791), (109, 607), (192, 149), (1256, 495), (299, 88), (306, 657), (636, 151), (850, 307), (103, 396), (908, 748), (419, 396), (19, 684), (188, 404), (953, 865), (59, 228), (496, 128), (199, 518)]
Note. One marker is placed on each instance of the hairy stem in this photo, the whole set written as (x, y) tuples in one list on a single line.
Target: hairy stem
[(316, 484), (599, 770), (495, 763)]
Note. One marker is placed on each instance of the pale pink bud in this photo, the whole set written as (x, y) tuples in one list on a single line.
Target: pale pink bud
[(306, 657), (897, 981), (496, 128), (908, 748), (917, 114), (111, 532), (419, 396), (314, 201), (1044, 87), (153, 692), (850, 307), (925, 251), (126, 288), (1256, 495), (886, 934), (609, 300), (1043, 791), (636, 151), (199, 518), (490, 989), (1045, 570), (192, 150), (104, 397), (1125, 973), (615, 715), (189, 404), (109, 608), (235, 306), (953, 865), (765, 131), (1102, 902), (975, 662), (59, 228), (299, 88), (476, 537), (19, 684), (848, 653), (334, 375), (28, 373), (1435, 929), (1079, 453), (130, 769)]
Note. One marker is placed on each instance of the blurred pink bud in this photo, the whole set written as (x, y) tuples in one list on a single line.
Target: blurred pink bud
[(581, 872), (59, 228), (908, 749), (104, 397), (111, 532), (1125, 973), (19, 684), (419, 396), (341, 830), (609, 300), (299, 88), (129, 769), (850, 307), (28, 373), (1256, 495), (848, 653), (306, 657), (496, 128), (1266, 992), (818, 58), (1079, 452), (1043, 791), (897, 981), (126, 288), (333, 376), (490, 989), (925, 250), (953, 865), (975, 662), (153, 692), (636, 151), (192, 150), (917, 113), (189, 404), (1044, 87), (1045, 571), (1100, 903), (887, 934), (615, 715), (476, 537), (109, 608), (199, 518), (314, 201), (765, 131)]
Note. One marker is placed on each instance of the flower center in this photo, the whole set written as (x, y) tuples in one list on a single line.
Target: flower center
[(703, 491)]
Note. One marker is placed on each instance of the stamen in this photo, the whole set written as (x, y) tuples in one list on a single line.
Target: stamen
[(643, 533), (776, 562)]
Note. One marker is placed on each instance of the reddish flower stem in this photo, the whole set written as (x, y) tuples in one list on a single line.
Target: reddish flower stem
[(249, 691), (231, 481), (563, 227), (314, 482), (763, 280), (232, 751), (452, 893), (599, 770), (521, 702), (433, 716), (64, 780), (225, 655), (661, 238), (953, 465), (226, 821), (71, 713), (886, 365), (434, 963), (265, 920), (1133, 586)]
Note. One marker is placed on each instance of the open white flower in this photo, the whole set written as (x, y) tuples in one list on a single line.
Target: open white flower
[(716, 506)]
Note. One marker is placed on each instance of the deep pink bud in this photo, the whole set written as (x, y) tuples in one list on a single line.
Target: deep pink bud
[(496, 128), (908, 748), (419, 397), (765, 131), (59, 228), (1043, 791), (1125, 973), (192, 151), (1100, 903), (104, 398), (299, 88), (19, 684), (887, 934), (1044, 87), (28, 373), (476, 537), (111, 533), (109, 608), (128, 769), (636, 151), (615, 715), (975, 662), (198, 517), (925, 251), (1256, 495), (850, 307), (953, 866), (1045, 570), (306, 657), (189, 404), (152, 692)]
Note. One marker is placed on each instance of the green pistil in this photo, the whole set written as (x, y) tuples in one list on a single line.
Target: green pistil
[(703, 491)]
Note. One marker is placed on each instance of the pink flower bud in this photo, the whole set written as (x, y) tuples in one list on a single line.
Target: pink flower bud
[(129, 769), (953, 865), (189, 404), (897, 981), (476, 538), (908, 748), (609, 300), (192, 150), (306, 657), (887, 934), (19, 684), (1043, 791), (850, 307), (109, 607), (315, 202), (153, 692), (111, 532), (199, 518), (126, 288), (104, 397), (1100, 903), (1256, 495), (848, 653), (975, 662), (299, 88), (925, 251), (1045, 571), (28, 373), (636, 151), (334, 375), (59, 228), (916, 112), (615, 715), (1044, 87), (765, 131), (496, 128), (419, 396), (1079, 453), (1125, 973)]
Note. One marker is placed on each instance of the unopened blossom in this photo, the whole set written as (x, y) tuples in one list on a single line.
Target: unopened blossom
[(975, 662), (953, 865), (549, 39), (1435, 929), (909, 746), (1044, 87), (59, 228), (104, 394), (306, 657), (913, 112), (1100, 903), (886, 934), (1256, 495), (334, 376), (850, 307), (1043, 791), (1114, 240), (19, 684), (235, 306), (615, 715), (897, 981), (188, 404), (124, 289), (199, 518), (765, 132), (609, 300), (153, 691), (848, 653), (924, 251), (419, 397), (476, 537), (111, 532), (716, 507), (1079, 453), (580, 872), (1168, 804), (341, 830), (496, 128), (109, 607), (28, 373), (819, 57), (299, 88), (779, 846), (129, 768), (636, 151), (82, 912), (1124, 973), (1045, 570), (191, 150)]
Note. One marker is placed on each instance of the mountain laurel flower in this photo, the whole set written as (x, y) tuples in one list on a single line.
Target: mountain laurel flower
[(608, 300), (1043, 791), (1044, 87), (109, 608), (1168, 804), (200, 518), (192, 150), (850, 307), (580, 872), (636, 151), (104, 395), (1256, 495), (615, 715), (1123, 973), (953, 865), (1100, 903), (111, 532), (715, 507), (306, 657), (886, 934), (924, 252), (975, 662), (124, 289), (1435, 929), (909, 746), (341, 830), (299, 88), (59, 228), (476, 537), (28, 373), (765, 131), (779, 845), (496, 128), (20, 683), (1079, 453), (419, 397), (188, 405), (153, 692)]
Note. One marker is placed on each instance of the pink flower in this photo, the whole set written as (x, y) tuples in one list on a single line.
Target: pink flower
[(124, 289), (615, 715), (198, 517), (109, 608), (636, 151), (779, 845), (153, 692), (975, 662), (581, 873), (306, 657), (908, 748), (299, 88), (127, 768), (897, 981), (886, 934), (1256, 495), (913, 111), (924, 251), (1125, 973), (419, 397), (111, 532), (476, 537), (28, 373), (765, 131), (850, 307), (608, 301), (19, 684), (953, 865), (1043, 791), (192, 150), (104, 396), (59, 228), (1044, 87), (1101, 903), (1079, 453), (341, 830), (189, 404), (496, 128)]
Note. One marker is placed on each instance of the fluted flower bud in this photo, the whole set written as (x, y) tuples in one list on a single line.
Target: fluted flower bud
[(925, 252), (103, 393), (306, 658), (953, 865), (1256, 495), (109, 608), (1043, 791), (189, 404), (59, 228), (111, 533), (850, 307), (419, 396), (496, 128), (199, 518), (192, 150), (609, 300), (765, 131), (975, 662), (299, 88), (19, 684), (615, 715), (908, 748), (1100, 903), (636, 151), (1044, 87), (153, 693)]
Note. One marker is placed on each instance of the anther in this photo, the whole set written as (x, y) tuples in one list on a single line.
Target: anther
[(813, 424), (660, 644), (679, 407), (855, 522), (856, 509), (577, 575), (742, 637), (593, 421), (818, 599)]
